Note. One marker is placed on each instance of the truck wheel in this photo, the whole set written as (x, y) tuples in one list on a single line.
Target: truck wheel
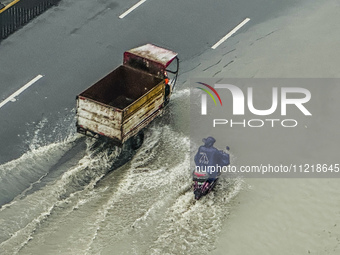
[(167, 90), (137, 140)]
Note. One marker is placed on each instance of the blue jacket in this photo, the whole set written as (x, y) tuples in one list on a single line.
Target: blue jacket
[(210, 156)]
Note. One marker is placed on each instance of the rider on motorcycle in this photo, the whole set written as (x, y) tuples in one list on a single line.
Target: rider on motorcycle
[(208, 156)]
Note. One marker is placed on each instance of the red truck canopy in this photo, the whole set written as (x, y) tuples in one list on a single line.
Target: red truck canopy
[(149, 58)]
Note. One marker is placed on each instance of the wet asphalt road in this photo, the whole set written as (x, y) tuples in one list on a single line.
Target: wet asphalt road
[(76, 43)]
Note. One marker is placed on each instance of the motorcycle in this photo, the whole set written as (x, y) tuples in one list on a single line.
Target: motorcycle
[(203, 184)]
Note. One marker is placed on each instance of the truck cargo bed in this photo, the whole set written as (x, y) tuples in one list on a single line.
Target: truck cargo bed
[(121, 87), (121, 104)]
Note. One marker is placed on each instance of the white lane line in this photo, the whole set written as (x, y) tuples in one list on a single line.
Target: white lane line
[(132, 8), (230, 33), (19, 91)]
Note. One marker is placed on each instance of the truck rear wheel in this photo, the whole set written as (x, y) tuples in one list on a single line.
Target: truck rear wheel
[(137, 140)]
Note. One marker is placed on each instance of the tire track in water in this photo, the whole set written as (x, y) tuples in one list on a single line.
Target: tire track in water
[(192, 226)]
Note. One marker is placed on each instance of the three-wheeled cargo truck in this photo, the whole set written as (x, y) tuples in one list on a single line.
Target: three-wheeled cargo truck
[(126, 100)]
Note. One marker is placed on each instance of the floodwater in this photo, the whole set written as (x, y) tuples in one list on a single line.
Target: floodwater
[(73, 205), (59, 198)]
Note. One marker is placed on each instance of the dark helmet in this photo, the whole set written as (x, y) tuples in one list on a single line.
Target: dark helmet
[(208, 142)]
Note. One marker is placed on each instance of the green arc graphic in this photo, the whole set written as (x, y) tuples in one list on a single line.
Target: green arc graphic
[(207, 91)]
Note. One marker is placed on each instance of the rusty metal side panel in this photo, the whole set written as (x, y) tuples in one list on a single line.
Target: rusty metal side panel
[(103, 120), (100, 109), (99, 128), (142, 114), (134, 123), (144, 101), (99, 118), (142, 124)]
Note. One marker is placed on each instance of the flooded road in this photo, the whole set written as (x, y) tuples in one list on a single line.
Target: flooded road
[(80, 208), (60, 198)]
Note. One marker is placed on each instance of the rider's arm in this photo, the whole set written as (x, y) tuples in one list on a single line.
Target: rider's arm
[(226, 159), (197, 156)]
